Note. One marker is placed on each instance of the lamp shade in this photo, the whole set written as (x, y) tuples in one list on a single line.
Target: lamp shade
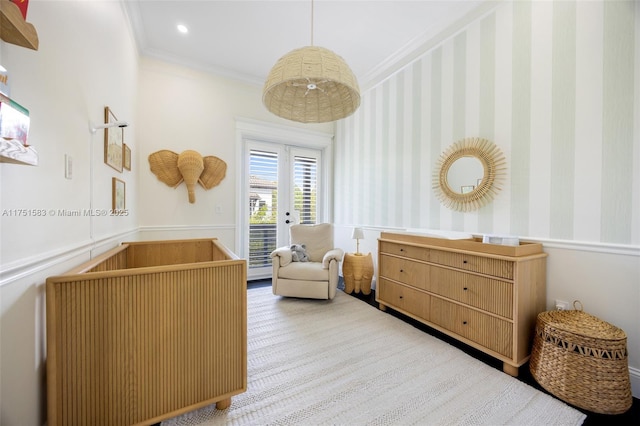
[(311, 85), (357, 234)]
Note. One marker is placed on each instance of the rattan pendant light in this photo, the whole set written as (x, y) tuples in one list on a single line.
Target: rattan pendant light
[(311, 85)]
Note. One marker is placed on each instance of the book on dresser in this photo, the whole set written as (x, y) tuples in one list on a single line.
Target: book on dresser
[(485, 295)]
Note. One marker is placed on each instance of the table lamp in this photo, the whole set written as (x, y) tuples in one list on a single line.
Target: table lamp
[(357, 235)]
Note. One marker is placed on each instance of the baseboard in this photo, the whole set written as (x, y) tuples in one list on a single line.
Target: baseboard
[(634, 376)]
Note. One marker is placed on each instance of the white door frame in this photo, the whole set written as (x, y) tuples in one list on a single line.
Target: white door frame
[(254, 130)]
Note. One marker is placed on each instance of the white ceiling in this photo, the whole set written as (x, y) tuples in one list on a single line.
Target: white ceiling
[(243, 39)]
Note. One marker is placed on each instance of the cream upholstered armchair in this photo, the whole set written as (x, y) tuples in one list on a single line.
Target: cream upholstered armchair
[(315, 279)]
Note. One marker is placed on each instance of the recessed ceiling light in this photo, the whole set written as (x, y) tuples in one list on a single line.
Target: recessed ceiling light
[(183, 29)]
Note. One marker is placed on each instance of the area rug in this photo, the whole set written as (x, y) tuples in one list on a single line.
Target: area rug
[(343, 362)]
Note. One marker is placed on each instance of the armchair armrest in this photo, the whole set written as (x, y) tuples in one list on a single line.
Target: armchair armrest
[(284, 254), (333, 254)]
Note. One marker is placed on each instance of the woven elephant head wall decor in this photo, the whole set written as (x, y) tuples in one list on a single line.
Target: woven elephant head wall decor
[(188, 166)]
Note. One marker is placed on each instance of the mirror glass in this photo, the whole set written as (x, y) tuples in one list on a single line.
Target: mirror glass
[(465, 174)]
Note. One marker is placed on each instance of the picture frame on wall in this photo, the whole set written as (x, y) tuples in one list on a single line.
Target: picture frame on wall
[(126, 164), (113, 142), (118, 194)]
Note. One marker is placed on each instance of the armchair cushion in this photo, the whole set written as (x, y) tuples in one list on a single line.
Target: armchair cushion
[(333, 254), (318, 239), (285, 255), (304, 271)]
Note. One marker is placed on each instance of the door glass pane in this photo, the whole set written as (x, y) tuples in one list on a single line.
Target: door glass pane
[(305, 174), (263, 207)]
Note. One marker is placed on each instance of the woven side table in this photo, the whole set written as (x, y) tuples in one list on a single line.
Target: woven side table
[(582, 360), (357, 269)]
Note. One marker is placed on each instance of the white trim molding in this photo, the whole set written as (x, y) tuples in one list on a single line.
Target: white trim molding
[(628, 250), (31, 265), (634, 376), (254, 130)]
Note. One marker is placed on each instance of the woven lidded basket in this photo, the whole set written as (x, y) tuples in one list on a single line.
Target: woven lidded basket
[(582, 360)]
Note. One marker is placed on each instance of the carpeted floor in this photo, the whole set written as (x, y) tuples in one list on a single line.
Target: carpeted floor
[(341, 362), (631, 417)]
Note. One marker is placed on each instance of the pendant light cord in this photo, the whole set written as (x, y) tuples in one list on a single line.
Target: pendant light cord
[(311, 22)]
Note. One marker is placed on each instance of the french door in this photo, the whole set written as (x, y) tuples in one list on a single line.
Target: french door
[(283, 187)]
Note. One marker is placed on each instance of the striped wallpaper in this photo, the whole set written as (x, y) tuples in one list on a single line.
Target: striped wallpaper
[(553, 84)]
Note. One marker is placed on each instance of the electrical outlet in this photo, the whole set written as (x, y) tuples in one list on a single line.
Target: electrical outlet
[(561, 305)]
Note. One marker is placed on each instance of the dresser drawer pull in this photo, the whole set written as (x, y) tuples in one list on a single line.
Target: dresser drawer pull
[(464, 322), (465, 288), (401, 297), (401, 270), (464, 261)]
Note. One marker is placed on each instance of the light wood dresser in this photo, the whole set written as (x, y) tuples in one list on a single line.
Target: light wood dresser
[(485, 295)]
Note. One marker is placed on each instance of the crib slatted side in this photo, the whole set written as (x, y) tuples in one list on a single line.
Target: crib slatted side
[(141, 347)]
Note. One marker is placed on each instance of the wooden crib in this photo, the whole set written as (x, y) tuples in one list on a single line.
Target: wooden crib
[(145, 332)]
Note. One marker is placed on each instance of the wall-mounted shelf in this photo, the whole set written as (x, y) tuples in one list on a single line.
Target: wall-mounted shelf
[(14, 29), (13, 151)]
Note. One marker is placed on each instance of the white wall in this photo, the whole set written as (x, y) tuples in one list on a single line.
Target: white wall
[(86, 60), (182, 109), (65, 84)]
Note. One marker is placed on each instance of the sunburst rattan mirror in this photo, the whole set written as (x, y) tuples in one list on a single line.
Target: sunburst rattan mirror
[(476, 194)]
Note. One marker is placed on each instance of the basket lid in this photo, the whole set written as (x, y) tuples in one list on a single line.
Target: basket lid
[(581, 323)]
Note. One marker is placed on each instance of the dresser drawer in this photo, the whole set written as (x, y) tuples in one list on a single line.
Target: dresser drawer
[(469, 262), (418, 253), (406, 271), (484, 293), (488, 331), (403, 298)]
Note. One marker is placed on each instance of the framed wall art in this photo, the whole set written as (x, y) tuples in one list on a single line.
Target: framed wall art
[(126, 164), (113, 142), (118, 192)]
